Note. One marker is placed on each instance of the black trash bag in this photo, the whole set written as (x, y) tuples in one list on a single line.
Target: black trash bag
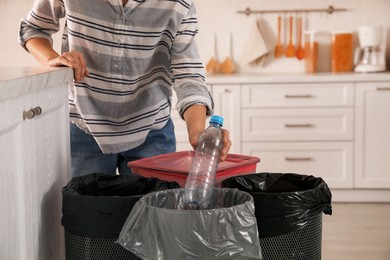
[(284, 202), (97, 205)]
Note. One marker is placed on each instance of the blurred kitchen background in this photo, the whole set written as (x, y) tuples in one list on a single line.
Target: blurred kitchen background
[(219, 19), (224, 32)]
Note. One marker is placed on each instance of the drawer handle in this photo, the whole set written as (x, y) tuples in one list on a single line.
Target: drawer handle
[(298, 96), (383, 89), (30, 114), (298, 125), (298, 158), (228, 90)]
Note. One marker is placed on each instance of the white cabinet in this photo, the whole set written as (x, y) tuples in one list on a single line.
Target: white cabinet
[(227, 100), (302, 128), (34, 166), (332, 161), (372, 135), (334, 126)]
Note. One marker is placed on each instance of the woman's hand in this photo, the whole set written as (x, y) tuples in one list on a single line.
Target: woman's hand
[(72, 59), (195, 117), (226, 143), (42, 50)]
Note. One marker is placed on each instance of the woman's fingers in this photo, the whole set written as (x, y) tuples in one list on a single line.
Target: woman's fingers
[(83, 63), (73, 60)]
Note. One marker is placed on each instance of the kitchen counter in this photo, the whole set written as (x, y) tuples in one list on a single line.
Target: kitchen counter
[(17, 81), (284, 77), (35, 161)]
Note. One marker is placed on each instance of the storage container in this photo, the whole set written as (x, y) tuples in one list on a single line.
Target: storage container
[(317, 51), (342, 51)]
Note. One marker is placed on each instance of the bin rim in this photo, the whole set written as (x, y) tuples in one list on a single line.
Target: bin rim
[(73, 192), (189, 211)]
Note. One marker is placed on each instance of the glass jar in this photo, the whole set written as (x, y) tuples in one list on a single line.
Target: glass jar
[(342, 51), (317, 51)]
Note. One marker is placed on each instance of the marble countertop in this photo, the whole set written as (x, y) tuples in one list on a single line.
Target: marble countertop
[(283, 77), (17, 81)]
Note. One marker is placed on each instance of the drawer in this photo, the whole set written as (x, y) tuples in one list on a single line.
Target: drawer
[(332, 161), (297, 124), (297, 95)]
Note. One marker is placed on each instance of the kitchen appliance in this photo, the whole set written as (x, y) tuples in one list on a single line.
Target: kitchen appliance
[(370, 56)]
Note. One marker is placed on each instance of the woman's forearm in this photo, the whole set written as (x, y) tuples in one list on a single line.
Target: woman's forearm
[(42, 50), (195, 117)]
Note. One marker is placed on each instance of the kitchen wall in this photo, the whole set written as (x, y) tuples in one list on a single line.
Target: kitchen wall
[(220, 25), (219, 19)]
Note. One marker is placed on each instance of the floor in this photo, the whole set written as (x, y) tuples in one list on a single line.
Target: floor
[(357, 232)]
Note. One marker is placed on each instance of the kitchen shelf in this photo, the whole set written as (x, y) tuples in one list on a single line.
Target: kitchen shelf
[(330, 10)]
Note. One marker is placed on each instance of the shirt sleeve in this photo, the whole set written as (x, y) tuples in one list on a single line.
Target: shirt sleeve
[(42, 21), (187, 67)]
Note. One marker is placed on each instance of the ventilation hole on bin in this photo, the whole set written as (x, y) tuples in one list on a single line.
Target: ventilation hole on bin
[(85, 248), (301, 244)]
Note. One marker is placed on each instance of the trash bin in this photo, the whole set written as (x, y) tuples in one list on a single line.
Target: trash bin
[(95, 207), (159, 228), (288, 208)]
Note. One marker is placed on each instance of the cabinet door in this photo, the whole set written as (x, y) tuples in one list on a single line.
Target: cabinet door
[(297, 124), (47, 143), (373, 135), (12, 227), (35, 167), (227, 104), (331, 161)]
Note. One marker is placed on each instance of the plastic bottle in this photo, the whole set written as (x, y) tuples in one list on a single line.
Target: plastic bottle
[(201, 178)]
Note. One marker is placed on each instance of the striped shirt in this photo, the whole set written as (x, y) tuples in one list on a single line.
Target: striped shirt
[(136, 54)]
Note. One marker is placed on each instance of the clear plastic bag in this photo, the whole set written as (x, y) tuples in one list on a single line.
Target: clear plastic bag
[(159, 228)]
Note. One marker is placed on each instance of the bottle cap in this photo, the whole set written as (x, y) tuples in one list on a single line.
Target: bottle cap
[(216, 119)]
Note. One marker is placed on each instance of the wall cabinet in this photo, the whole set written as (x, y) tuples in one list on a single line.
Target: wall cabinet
[(34, 150)]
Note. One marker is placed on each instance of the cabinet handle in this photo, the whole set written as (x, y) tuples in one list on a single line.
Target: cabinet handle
[(298, 96), (37, 111), (30, 114), (383, 89), (298, 125), (297, 158), (228, 90)]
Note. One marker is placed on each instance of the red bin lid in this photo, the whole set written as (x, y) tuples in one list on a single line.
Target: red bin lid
[(180, 162)]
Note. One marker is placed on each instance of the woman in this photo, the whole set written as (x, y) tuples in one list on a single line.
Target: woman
[(127, 57)]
